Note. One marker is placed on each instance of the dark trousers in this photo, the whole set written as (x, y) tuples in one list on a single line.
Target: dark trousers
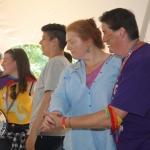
[(49, 143), (5, 144)]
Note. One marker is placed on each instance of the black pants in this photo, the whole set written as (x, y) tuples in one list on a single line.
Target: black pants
[(49, 143), (5, 144), (16, 128)]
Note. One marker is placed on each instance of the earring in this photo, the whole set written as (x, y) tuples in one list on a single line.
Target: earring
[(88, 51)]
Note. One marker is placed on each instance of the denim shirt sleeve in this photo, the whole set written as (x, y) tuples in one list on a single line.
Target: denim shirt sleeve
[(59, 99)]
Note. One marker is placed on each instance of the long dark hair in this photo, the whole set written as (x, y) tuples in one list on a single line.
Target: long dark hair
[(23, 67)]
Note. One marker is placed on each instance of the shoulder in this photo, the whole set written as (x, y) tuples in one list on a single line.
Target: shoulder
[(4, 80), (141, 54), (144, 49), (58, 60), (31, 79), (115, 60), (146, 46), (76, 67)]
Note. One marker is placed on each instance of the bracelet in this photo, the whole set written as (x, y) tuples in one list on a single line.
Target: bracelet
[(69, 123), (64, 123)]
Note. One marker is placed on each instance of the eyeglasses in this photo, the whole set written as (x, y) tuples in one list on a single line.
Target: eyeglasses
[(13, 94)]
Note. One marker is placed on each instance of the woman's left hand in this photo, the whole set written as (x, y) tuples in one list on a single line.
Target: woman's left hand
[(52, 122)]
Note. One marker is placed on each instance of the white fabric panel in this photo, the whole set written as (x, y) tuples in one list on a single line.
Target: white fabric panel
[(144, 30), (21, 20), (147, 36)]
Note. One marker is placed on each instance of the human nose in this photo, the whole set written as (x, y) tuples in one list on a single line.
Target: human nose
[(40, 42), (104, 38), (68, 46), (2, 63)]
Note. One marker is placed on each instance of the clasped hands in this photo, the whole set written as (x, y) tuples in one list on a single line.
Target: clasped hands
[(52, 121)]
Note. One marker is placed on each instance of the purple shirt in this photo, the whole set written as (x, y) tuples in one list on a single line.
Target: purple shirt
[(133, 96), (4, 80)]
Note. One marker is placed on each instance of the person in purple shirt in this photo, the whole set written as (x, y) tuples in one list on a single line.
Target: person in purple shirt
[(128, 115)]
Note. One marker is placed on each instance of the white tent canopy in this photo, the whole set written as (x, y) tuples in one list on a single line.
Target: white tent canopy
[(21, 20)]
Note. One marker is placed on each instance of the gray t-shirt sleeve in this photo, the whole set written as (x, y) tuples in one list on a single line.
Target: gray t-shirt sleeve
[(52, 73)]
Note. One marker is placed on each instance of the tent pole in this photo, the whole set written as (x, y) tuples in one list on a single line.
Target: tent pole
[(145, 22)]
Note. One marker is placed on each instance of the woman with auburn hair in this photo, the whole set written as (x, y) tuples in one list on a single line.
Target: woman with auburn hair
[(16, 92), (85, 87)]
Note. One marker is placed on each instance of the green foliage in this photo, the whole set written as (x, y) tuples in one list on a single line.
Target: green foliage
[(74, 61), (37, 60)]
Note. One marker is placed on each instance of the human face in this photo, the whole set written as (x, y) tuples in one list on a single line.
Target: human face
[(46, 44), (1, 61), (77, 47), (111, 38), (9, 65)]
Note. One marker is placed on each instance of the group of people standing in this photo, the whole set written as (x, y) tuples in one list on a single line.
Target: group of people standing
[(99, 103)]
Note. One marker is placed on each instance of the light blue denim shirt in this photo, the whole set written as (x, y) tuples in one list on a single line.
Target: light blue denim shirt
[(73, 98)]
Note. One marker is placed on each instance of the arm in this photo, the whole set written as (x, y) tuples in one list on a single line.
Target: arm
[(38, 122), (98, 120)]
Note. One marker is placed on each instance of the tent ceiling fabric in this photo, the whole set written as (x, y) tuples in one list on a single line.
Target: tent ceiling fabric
[(21, 20)]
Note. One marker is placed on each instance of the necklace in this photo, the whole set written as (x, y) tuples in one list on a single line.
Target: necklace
[(136, 45), (129, 54), (13, 95)]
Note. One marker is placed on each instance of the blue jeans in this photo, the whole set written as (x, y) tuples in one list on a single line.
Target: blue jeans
[(49, 143)]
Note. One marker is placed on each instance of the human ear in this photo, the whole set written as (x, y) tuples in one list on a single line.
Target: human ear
[(55, 41), (122, 32), (89, 41)]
